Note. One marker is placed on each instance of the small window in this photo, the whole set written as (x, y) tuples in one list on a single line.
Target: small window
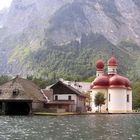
[(56, 98), (15, 92), (109, 97), (127, 98), (69, 97)]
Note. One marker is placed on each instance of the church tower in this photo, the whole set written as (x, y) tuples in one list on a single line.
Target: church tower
[(112, 65), (99, 67)]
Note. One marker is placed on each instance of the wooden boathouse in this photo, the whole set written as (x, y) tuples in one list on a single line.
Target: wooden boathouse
[(20, 97)]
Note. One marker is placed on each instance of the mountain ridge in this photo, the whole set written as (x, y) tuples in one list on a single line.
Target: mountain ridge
[(34, 32)]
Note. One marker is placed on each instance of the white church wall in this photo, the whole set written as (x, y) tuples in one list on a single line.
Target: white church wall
[(99, 73), (118, 99), (129, 101), (93, 93), (112, 69)]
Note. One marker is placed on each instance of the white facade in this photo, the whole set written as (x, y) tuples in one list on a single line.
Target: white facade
[(78, 101), (99, 73), (93, 93), (65, 97), (112, 69), (129, 101), (118, 100), (65, 93)]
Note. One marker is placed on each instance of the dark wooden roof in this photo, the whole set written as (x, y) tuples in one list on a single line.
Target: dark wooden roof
[(74, 91), (27, 90)]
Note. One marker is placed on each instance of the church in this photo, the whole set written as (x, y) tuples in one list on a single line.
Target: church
[(116, 88)]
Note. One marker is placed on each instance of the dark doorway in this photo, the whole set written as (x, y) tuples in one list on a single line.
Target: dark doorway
[(17, 108)]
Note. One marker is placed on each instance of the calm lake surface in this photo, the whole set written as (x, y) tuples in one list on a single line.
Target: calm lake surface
[(86, 127)]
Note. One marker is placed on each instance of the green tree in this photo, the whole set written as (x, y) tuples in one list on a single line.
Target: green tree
[(4, 79), (38, 81), (99, 100), (136, 94), (88, 97)]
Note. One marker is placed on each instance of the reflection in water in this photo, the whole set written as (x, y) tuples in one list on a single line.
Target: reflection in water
[(92, 127)]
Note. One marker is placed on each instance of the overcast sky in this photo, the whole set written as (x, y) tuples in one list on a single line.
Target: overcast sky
[(4, 3)]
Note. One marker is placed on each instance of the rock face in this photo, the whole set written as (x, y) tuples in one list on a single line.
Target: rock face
[(34, 32)]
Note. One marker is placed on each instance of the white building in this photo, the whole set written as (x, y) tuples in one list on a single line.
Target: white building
[(116, 88), (68, 96)]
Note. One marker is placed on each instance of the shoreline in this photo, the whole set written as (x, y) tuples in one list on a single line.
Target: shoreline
[(75, 113)]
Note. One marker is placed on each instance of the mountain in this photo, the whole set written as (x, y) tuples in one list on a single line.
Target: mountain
[(64, 38)]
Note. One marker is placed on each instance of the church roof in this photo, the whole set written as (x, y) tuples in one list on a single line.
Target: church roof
[(99, 64), (110, 80), (112, 61), (101, 81), (114, 80)]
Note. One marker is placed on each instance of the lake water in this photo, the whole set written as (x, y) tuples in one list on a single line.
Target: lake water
[(86, 127)]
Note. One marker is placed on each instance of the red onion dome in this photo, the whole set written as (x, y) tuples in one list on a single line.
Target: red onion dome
[(112, 61), (117, 80), (101, 81), (99, 64), (127, 82), (92, 85)]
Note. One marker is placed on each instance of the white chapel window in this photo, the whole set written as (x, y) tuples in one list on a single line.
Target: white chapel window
[(109, 97), (127, 98)]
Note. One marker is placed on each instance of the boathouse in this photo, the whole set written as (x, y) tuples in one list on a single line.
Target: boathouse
[(20, 97)]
